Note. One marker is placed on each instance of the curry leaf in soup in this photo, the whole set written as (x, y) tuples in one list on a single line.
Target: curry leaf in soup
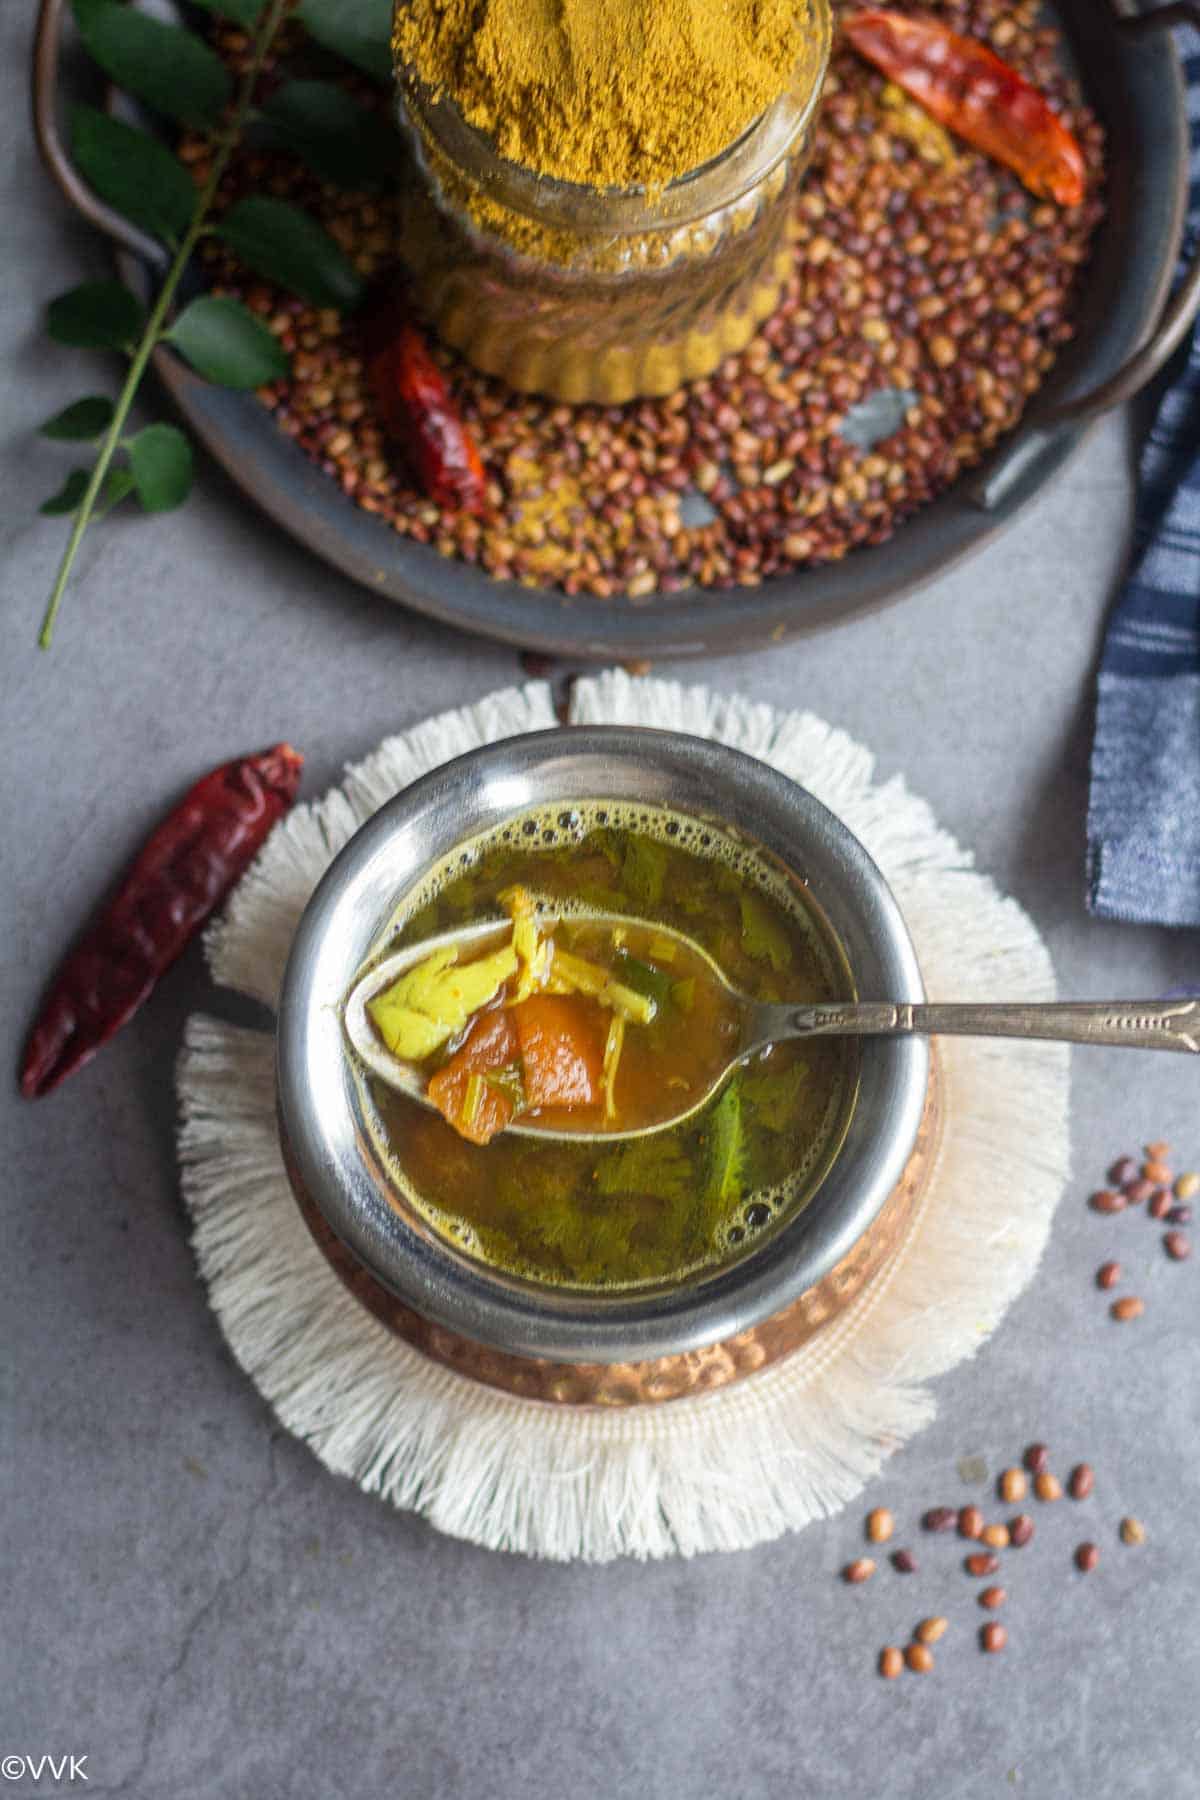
[(772, 1094), (644, 870), (644, 978), (656, 1165), (763, 937), (608, 844), (727, 1148)]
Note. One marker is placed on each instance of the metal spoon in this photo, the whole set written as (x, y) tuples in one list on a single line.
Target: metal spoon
[(1128, 1024)]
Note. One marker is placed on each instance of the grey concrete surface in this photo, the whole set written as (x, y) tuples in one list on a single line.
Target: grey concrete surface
[(190, 1601)]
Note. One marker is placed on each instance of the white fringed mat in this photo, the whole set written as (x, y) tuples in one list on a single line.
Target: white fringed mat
[(720, 1471)]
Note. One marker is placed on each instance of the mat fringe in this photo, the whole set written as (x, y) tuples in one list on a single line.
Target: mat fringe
[(722, 1471)]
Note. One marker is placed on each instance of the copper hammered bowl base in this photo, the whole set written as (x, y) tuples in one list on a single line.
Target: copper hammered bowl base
[(666, 1377)]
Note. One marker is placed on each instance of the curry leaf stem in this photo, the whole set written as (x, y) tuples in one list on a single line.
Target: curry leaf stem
[(226, 143)]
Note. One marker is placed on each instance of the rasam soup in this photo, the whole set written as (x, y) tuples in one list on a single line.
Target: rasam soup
[(652, 1209)]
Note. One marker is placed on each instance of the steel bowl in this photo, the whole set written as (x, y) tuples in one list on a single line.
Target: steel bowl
[(444, 1299)]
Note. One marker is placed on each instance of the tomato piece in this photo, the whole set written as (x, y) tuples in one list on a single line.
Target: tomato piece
[(492, 1043), (562, 1050)]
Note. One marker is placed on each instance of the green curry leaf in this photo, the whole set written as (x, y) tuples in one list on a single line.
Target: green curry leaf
[(169, 68), (160, 458), (727, 1149), (658, 1166), (68, 496), (242, 12), (284, 244), (340, 141), (358, 30), (224, 341), (116, 486), (773, 1094), (644, 870), (133, 172), (97, 315), (763, 937), (80, 422)]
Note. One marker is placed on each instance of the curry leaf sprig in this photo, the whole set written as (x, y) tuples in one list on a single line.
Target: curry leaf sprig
[(180, 77)]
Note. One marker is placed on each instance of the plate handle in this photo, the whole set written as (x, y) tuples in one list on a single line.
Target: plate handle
[(989, 490), (47, 49)]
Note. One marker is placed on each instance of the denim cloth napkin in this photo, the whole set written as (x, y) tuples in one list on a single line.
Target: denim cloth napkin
[(1143, 827)]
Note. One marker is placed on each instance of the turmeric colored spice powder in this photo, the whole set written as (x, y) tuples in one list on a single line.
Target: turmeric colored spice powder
[(612, 93)]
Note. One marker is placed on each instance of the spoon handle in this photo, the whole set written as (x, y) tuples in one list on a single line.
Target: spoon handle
[(1130, 1024)]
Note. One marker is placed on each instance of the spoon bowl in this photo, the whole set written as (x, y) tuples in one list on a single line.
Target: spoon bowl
[(1131, 1024), (410, 1079)]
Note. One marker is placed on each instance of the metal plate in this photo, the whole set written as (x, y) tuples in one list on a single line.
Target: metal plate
[(1137, 91)]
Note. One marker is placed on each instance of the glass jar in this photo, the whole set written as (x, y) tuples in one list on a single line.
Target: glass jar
[(588, 294)]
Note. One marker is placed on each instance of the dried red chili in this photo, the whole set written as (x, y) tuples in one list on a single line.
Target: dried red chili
[(185, 869), (971, 91), (417, 410)]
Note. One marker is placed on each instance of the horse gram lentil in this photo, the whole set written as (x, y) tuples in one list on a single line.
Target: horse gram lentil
[(921, 268)]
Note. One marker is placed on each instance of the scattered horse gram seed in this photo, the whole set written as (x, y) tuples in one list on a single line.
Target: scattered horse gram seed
[(1177, 1245), (890, 1662), (904, 1562), (1128, 1307), (1160, 1204), (1020, 1530), (992, 1597), (1013, 1486), (861, 1569), (880, 1525), (940, 1518), (995, 1537), (1086, 1558), (993, 1636), (1082, 1481), (982, 1562), (1048, 1486), (970, 1522), (919, 1658), (1108, 1200), (1132, 1531), (930, 1630), (1137, 1191), (1124, 1169), (1108, 1274), (1179, 1215), (1157, 1172), (1188, 1185), (1158, 1151), (1036, 1458)]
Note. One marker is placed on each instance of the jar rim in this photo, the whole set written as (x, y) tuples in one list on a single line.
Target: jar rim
[(583, 209)]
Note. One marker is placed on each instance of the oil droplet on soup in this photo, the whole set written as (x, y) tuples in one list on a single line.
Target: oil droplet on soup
[(691, 1197)]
